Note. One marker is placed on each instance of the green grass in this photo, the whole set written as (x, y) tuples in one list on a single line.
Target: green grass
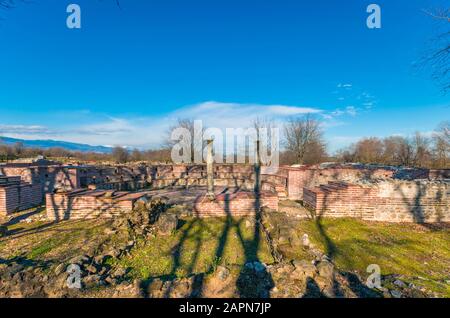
[(406, 249), (199, 246), (46, 241)]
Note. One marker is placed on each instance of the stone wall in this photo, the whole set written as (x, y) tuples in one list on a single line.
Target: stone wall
[(48, 178), (241, 203), (388, 200), (16, 195), (89, 204), (312, 176)]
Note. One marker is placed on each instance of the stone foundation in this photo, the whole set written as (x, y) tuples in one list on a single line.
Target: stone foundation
[(389, 200), (16, 195), (312, 176), (317, 185), (241, 203), (89, 204)]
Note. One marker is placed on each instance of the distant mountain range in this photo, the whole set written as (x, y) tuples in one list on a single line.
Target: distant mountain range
[(46, 144)]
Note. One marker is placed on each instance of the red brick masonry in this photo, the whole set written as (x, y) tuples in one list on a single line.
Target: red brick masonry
[(16, 195), (312, 176), (389, 200), (241, 203), (87, 204)]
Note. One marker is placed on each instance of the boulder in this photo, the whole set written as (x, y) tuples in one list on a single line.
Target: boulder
[(167, 223), (400, 283), (326, 286), (325, 269), (396, 294), (91, 281), (91, 269), (305, 241), (304, 269), (222, 272)]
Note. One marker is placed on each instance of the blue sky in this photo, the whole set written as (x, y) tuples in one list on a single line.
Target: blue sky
[(126, 75)]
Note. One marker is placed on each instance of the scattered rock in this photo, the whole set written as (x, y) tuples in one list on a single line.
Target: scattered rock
[(167, 223), (109, 231), (325, 285), (79, 260), (91, 269), (222, 272), (91, 281), (325, 269), (399, 283), (396, 293), (316, 253), (304, 269), (118, 272), (305, 241), (59, 269)]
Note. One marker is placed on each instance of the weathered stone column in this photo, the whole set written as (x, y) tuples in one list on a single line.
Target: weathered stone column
[(210, 169), (257, 169)]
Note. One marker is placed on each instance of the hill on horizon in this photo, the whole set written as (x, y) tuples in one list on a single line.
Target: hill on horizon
[(47, 144)]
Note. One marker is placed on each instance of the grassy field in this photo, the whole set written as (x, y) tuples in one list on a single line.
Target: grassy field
[(48, 242), (406, 249), (200, 245)]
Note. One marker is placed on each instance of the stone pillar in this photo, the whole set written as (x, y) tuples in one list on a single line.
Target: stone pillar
[(257, 169), (210, 169)]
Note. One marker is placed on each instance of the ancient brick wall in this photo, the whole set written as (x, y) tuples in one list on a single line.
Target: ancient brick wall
[(234, 204), (16, 195), (308, 177), (439, 174), (82, 204), (48, 177), (389, 200)]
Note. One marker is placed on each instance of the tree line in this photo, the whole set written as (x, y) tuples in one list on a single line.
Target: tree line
[(118, 154), (419, 150), (302, 142)]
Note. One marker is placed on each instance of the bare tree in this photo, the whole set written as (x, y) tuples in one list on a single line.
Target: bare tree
[(304, 139), (196, 136), (119, 154), (421, 150), (136, 155), (405, 152), (441, 144), (369, 150), (416, 150), (268, 124)]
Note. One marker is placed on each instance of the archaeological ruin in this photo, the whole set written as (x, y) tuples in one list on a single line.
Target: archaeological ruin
[(376, 193)]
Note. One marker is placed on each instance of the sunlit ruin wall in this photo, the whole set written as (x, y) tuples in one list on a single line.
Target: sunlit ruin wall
[(311, 176), (89, 204), (388, 200), (363, 191), (235, 204), (16, 195)]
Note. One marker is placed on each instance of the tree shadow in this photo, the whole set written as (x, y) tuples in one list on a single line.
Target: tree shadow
[(253, 281), (17, 219), (331, 250)]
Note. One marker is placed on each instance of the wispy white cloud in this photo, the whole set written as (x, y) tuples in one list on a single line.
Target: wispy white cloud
[(144, 132), (24, 129), (347, 86)]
